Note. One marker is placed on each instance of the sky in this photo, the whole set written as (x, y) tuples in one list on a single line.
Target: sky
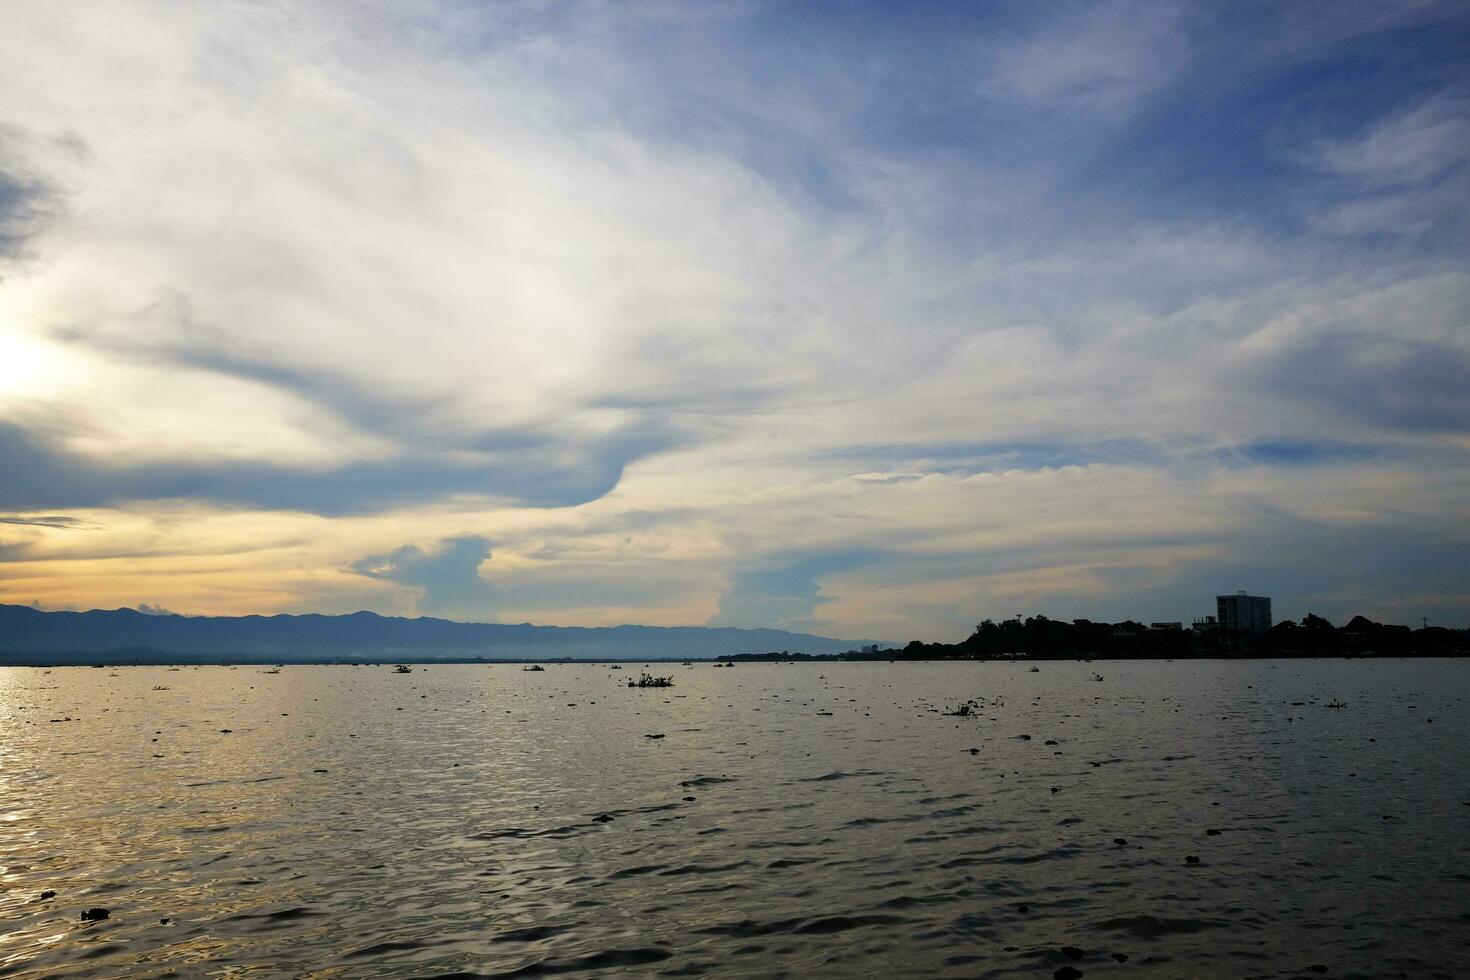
[(871, 320)]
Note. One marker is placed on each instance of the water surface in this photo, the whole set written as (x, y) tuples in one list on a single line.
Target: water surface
[(792, 820)]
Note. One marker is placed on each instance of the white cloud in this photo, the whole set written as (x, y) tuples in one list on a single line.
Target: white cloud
[(1409, 146), (436, 269), (1097, 59)]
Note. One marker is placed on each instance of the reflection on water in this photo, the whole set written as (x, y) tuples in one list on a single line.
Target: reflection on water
[(792, 821)]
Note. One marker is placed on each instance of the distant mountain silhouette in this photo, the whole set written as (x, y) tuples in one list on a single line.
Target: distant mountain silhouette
[(29, 635)]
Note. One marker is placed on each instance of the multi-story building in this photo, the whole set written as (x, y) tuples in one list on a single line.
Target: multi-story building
[(1242, 614)]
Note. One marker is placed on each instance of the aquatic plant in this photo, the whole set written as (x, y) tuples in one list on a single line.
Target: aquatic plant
[(970, 709), (645, 679)]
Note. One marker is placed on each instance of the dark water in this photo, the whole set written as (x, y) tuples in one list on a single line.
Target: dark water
[(793, 821)]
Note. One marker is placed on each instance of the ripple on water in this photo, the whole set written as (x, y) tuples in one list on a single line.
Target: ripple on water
[(607, 959), (1152, 926), (461, 840)]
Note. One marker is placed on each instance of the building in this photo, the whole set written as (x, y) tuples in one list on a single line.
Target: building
[(1166, 626), (1241, 614)]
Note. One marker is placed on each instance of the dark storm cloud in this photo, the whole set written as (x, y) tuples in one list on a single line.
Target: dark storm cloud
[(42, 474), (448, 576)]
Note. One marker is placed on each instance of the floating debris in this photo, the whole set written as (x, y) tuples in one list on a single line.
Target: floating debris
[(646, 679)]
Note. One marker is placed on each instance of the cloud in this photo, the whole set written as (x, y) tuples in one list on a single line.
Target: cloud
[(784, 593), (1409, 385), (447, 577), (27, 198), (46, 473), (150, 610), (1411, 145), (51, 520), (1040, 304), (1093, 59)]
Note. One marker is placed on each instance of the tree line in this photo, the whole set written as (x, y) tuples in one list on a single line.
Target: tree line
[(1040, 638)]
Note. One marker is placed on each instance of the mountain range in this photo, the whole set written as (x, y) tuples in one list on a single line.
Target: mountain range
[(33, 636)]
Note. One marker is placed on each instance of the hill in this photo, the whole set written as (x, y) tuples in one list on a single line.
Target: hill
[(29, 635)]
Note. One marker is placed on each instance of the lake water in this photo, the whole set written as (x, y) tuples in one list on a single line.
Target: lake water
[(792, 820)]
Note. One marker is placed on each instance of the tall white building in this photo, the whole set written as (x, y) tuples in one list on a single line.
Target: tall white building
[(1241, 613)]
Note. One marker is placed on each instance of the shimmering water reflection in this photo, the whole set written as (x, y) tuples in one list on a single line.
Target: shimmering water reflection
[(807, 820)]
